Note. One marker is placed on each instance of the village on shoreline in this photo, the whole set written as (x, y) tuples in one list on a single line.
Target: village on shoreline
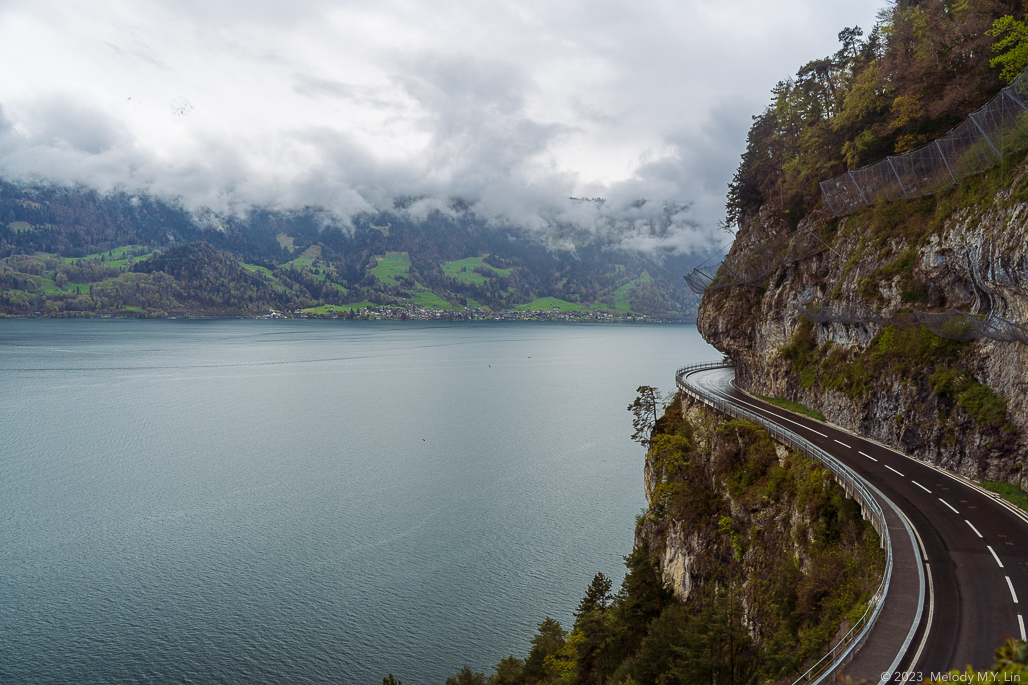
[(418, 313)]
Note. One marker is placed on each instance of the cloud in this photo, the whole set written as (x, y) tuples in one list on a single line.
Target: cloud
[(515, 108), (315, 87)]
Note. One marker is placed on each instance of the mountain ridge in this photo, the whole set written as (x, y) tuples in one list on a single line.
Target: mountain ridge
[(305, 259)]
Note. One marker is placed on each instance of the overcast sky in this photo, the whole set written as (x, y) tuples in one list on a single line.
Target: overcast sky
[(513, 105)]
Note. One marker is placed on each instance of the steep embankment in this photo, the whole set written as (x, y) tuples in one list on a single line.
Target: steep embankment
[(960, 404), (730, 508)]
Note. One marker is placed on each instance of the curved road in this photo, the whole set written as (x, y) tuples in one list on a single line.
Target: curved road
[(975, 546)]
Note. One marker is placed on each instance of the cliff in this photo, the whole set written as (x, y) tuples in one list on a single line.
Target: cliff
[(729, 508), (960, 404)]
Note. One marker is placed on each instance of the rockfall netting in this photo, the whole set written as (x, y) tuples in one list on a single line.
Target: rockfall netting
[(978, 143), (952, 324), (753, 266), (844, 314), (957, 325)]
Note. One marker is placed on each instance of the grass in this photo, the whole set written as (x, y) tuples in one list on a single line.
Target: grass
[(429, 300), (117, 258), (301, 263), (21, 226), (547, 304), (983, 405), (50, 288), (259, 269), (1007, 491), (307, 260), (904, 352), (391, 266), (330, 308), (83, 288), (464, 270), (339, 308), (623, 295), (122, 263), (794, 406)]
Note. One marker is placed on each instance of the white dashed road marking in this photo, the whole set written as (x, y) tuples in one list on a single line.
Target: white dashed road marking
[(844, 444), (893, 470), (970, 524), (920, 486), (950, 506), (994, 556), (1011, 586), (1020, 622), (866, 455)]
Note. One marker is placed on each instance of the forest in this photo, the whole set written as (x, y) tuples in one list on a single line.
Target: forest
[(915, 75)]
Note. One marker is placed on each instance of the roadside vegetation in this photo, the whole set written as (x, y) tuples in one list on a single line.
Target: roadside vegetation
[(794, 406), (1008, 491), (906, 354)]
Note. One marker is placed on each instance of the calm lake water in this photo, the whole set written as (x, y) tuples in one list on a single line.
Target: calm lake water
[(309, 501)]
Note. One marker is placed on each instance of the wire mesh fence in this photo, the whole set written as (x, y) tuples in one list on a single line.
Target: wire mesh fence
[(978, 143), (754, 265), (847, 314), (957, 325), (700, 278), (952, 324)]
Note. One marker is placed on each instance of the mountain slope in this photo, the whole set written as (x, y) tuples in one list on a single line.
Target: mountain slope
[(308, 259)]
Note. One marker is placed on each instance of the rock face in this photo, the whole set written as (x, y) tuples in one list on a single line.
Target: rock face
[(730, 507), (750, 537), (964, 249)]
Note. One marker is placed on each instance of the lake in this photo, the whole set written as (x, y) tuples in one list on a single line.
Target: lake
[(229, 501)]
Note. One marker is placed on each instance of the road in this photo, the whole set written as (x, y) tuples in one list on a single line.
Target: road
[(974, 547)]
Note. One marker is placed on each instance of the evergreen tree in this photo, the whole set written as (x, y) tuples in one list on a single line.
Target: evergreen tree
[(644, 412), (549, 638), (466, 676), (597, 597)]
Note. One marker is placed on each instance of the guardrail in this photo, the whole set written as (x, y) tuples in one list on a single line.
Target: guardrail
[(829, 665)]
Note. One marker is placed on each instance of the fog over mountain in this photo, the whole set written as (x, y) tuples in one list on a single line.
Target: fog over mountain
[(515, 108)]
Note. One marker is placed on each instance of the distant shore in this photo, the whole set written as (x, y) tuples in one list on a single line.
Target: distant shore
[(369, 313)]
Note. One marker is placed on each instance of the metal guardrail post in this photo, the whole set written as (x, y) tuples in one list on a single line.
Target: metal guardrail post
[(838, 656)]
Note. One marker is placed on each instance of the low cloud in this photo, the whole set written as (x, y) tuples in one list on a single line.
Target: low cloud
[(515, 109)]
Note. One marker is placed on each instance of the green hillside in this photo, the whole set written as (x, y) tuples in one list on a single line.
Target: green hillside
[(75, 252)]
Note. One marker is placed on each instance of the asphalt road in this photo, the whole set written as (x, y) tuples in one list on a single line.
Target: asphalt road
[(974, 547)]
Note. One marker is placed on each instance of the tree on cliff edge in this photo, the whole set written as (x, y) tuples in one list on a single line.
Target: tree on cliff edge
[(644, 413)]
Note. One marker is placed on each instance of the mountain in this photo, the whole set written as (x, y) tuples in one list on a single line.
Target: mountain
[(78, 252)]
